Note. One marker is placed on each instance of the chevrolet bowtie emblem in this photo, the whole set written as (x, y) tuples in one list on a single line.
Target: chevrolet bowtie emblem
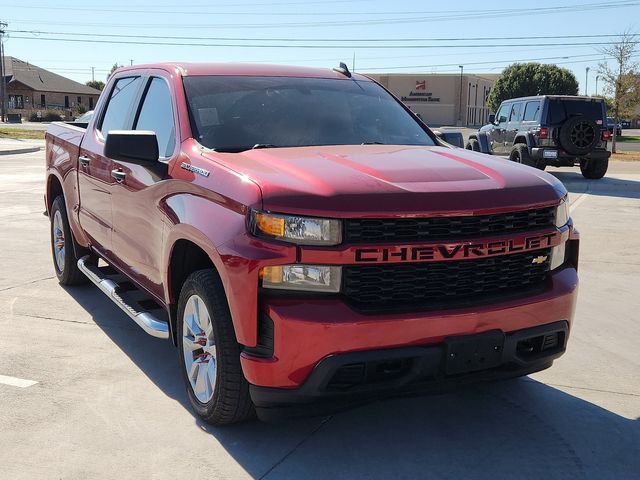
[(539, 259)]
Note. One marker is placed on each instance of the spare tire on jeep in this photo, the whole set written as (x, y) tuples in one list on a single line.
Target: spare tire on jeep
[(579, 135)]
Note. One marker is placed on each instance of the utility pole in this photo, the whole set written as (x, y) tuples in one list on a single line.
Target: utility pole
[(93, 78), (597, 78), (586, 82), (131, 62), (3, 103), (461, 67)]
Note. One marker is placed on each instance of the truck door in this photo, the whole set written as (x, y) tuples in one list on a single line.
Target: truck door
[(95, 180), (515, 119), (498, 132), (138, 222)]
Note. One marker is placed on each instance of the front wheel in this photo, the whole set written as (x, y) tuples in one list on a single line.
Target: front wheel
[(65, 261), (594, 169), (473, 144), (209, 352)]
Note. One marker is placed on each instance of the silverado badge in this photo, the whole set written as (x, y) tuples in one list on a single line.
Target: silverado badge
[(194, 169)]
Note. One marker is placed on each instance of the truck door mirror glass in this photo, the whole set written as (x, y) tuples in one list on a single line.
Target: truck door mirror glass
[(134, 146), (492, 118)]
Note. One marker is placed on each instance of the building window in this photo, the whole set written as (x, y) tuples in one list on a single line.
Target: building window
[(43, 101), (90, 103), (16, 101), (79, 100), (66, 101)]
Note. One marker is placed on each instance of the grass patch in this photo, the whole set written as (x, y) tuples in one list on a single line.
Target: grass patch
[(21, 133), (628, 138), (626, 156)]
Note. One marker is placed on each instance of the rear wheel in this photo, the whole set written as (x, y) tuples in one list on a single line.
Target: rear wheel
[(65, 262), (594, 169), (520, 154), (473, 144), (209, 352)]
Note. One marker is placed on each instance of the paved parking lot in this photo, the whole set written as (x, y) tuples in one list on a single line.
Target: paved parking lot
[(109, 402)]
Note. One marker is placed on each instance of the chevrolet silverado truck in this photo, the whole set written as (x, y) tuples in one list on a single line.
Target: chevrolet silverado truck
[(549, 130), (304, 240)]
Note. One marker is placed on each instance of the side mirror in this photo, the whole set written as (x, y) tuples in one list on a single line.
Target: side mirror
[(492, 118), (134, 146)]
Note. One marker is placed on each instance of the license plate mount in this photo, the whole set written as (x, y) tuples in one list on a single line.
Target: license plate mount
[(469, 353), (550, 154)]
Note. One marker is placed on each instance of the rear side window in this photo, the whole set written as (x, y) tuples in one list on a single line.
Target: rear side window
[(116, 117), (156, 115), (531, 112), (516, 109), (561, 110)]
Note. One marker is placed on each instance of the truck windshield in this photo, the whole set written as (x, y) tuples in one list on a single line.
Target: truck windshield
[(239, 113)]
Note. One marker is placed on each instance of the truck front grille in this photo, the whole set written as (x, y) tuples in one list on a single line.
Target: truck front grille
[(400, 230), (444, 284)]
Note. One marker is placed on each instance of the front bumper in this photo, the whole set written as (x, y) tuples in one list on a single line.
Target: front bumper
[(348, 379)]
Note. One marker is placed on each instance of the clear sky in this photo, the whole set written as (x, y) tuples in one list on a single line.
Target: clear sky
[(70, 37)]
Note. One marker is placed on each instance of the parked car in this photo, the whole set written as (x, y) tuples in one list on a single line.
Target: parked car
[(84, 118), (304, 240), (611, 126), (546, 130)]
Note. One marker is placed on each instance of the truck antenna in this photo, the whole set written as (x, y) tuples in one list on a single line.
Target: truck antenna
[(343, 69)]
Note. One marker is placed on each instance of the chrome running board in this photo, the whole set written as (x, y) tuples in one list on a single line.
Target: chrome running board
[(148, 322)]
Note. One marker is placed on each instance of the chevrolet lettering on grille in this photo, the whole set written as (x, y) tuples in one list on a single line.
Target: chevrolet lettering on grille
[(450, 251)]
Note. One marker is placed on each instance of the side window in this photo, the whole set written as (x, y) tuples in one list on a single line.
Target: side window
[(515, 112), (156, 115), (531, 112), (119, 106), (503, 113)]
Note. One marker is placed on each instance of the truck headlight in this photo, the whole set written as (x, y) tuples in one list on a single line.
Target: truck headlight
[(311, 278), (294, 229), (562, 213), (557, 255)]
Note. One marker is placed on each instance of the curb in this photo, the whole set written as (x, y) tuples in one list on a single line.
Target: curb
[(17, 151)]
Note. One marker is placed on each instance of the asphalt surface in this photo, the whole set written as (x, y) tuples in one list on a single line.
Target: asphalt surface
[(109, 401)]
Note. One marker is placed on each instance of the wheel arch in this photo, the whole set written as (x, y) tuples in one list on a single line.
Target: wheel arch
[(482, 140)]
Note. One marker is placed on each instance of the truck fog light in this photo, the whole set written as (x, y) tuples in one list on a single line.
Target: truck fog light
[(312, 278), (557, 255)]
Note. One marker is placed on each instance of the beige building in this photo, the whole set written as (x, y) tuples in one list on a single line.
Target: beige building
[(31, 88), (442, 99)]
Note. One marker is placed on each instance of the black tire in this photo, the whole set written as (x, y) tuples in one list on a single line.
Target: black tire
[(594, 169), (230, 402), (520, 154), (473, 144), (579, 135), (68, 272)]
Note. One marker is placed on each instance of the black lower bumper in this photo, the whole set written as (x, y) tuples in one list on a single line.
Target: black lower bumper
[(350, 379), (563, 158)]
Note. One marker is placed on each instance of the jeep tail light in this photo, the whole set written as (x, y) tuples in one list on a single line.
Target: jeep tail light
[(543, 133), (606, 135)]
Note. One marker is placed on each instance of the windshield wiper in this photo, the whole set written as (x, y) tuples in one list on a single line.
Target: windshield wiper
[(243, 148), (372, 143), (263, 145)]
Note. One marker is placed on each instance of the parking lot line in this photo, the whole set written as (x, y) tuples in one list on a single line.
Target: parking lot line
[(16, 382)]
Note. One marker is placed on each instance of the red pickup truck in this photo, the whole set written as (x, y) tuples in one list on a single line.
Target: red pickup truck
[(304, 240)]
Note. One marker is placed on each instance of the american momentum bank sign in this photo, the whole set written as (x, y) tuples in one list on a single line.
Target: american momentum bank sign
[(420, 94)]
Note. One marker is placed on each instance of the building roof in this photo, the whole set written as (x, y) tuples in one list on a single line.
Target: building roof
[(42, 80)]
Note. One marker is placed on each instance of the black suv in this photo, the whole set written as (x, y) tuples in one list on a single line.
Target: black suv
[(549, 130)]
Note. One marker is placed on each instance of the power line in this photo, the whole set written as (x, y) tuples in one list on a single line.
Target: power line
[(433, 16), (328, 40), (238, 45)]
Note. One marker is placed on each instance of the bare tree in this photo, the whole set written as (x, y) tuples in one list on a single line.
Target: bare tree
[(622, 81)]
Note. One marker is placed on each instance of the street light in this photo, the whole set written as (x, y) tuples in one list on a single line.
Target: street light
[(461, 67), (586, 82)]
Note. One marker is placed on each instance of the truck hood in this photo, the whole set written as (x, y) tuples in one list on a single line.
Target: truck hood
[(386, 180)]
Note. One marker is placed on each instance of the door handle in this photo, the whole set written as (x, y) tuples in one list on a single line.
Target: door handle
[(84, 161), (119, 175)]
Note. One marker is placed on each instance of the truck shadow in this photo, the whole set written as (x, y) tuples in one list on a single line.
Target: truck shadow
[(607, 186), (515, 429)]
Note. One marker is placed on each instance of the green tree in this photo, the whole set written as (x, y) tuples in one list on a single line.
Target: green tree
[(97, 84), (113, 69), (524, 79), (622, 81)]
